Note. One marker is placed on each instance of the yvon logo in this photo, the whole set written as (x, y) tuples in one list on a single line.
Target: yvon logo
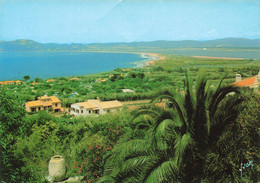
[(244, 166)]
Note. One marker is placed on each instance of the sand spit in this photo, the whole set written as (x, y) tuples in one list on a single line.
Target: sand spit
[(224, 58), (153, 57)]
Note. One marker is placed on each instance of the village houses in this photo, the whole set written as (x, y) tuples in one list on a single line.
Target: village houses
[(44, 103), (95, 107), (10, 82)]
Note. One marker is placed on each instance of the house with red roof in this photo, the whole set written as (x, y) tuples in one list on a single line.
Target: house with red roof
[(252, 82)]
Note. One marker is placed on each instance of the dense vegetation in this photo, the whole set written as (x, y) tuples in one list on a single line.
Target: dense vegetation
[(202, 134), (189, 141)]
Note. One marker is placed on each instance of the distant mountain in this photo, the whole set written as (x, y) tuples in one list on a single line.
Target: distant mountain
[(29, 45), (227, 42)]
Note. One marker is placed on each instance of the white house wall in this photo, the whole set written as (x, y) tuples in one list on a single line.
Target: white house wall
[(75, 110), (101, 110), (79, 113)]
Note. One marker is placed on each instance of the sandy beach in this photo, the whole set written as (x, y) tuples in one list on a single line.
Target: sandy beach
[(153, 57)]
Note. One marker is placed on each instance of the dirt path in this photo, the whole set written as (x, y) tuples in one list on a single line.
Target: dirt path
[(224, 58), (133, 105), (135, 102)]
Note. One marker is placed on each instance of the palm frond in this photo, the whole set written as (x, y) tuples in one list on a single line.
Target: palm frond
[(201, 89), (189, 137), (208, 123), (181, 144), (145, 120), (175, 104), (225, 114), (219, 95), (189, 101), (148, 111), (166, 172), (163, 91), (130, 149), (220, 82), (200, 116), (134, 167), (161, 133), (106, 179)]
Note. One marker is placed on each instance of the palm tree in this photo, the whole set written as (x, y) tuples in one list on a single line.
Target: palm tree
[(181, 137)]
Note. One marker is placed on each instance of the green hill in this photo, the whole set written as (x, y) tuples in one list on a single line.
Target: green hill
[(30, 45)]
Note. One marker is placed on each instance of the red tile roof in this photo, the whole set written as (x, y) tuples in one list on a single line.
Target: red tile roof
[(245, 82)]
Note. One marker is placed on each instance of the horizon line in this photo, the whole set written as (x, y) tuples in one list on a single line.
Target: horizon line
[(133, 41)]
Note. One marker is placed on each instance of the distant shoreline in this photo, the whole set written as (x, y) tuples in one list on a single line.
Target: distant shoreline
[(143, 60), (224, 58), (147, 59), (153, 57)]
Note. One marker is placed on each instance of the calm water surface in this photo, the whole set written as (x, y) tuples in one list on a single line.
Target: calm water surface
[(44, 65)]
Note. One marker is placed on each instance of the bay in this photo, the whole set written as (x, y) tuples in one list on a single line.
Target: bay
[(13, 66)]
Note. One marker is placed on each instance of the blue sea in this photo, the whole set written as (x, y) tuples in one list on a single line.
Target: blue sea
[(13, 66)]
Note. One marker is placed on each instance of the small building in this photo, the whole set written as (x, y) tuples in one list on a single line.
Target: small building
[(50, 80), (252, 82), (101, 80), (44, 103), (18, 82), (128, 91), (74, 78), (125, 69), (95, 107)]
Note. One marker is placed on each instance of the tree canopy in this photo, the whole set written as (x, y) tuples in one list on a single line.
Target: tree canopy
[(26, 77)]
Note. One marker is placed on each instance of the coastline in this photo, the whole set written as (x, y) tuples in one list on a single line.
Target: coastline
[(152, 58), (145, 59)]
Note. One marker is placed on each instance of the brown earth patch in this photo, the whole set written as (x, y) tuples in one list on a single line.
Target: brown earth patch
[(224, 58)]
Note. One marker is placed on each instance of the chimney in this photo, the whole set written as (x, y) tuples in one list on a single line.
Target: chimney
[(238, 77)]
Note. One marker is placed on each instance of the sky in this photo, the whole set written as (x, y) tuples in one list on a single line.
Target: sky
[(102, 21)]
